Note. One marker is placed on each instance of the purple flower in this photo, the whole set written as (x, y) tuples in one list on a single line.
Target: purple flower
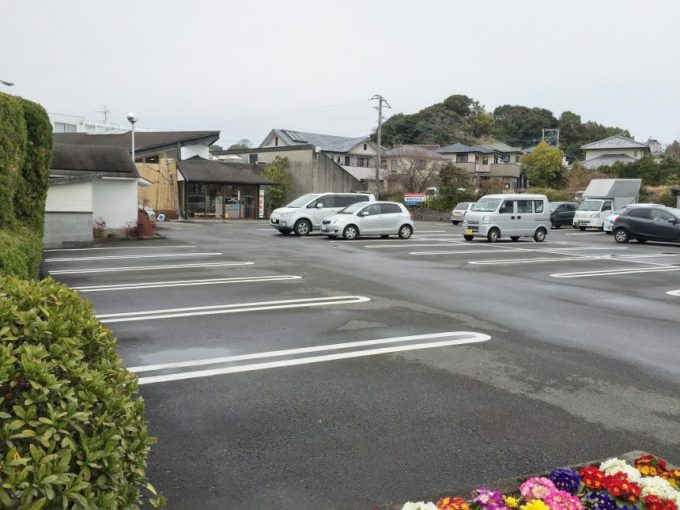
[(600, 501), (566, 480), (488, 499)]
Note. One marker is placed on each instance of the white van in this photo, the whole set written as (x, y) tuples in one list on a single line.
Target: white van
[(513, 216), (304, 214)]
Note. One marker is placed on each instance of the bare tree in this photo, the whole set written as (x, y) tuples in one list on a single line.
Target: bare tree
[(415, 167)]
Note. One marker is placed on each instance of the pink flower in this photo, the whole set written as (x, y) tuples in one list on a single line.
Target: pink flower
[(537, 488), (562, 500)]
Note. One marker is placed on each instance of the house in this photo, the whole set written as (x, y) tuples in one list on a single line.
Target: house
[(497, 161), (318, 163), (412, 167), (89, 184), (220, 189), (615, 148), (156, 156)]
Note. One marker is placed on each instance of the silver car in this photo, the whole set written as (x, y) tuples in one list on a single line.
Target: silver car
[(458, 212), (377, 218)]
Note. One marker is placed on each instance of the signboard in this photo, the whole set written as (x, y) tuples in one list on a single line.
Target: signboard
[(414, 198), (260, 209)]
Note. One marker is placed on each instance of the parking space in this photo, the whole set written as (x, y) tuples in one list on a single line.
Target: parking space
[(277, 362)]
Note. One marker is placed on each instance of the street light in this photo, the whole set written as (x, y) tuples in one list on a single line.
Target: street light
[(132, 119)]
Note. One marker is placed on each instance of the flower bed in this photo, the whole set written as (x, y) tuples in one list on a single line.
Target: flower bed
[(643, 482)]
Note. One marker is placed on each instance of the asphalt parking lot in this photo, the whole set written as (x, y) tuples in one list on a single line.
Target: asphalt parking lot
[(309, 373)]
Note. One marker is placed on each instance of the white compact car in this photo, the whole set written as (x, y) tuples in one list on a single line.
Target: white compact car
[(304, 214), (458, 212), (378, 218)]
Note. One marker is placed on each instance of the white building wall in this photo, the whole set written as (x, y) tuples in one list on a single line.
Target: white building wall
[(115, 201), (70, 198), (633, 153), (199, 149)]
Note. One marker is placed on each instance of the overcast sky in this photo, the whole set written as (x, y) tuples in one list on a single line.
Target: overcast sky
[(247, 67)]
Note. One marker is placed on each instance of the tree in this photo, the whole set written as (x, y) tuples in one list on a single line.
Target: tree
[(543, 166), (243, 143), (673, 150), (216, 147), (277, 195), (416, 167), (453, 179)]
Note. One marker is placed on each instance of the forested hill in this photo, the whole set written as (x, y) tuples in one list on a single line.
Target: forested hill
[(460, 118)]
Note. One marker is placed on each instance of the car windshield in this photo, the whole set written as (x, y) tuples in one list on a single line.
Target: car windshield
[(461, 206), (486, 204), (300, 201), (590, 205), (350, 209)]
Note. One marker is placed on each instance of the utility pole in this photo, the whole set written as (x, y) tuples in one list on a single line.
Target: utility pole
[(380, 100), (106, 112), (553, 134)]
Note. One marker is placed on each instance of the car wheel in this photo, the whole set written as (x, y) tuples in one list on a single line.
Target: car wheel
[(302, 228), (350, 232), (582, 228), (455, 222), (621, 235), (641, 240), (540, 234), (468, 238), (514, 238), (493, 235), (405, 231)]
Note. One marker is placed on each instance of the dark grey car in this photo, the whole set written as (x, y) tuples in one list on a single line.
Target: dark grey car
[(562, 213), (648, 224)]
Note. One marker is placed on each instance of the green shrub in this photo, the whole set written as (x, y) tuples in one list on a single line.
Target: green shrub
[(12, 152), (20, 252), (72, 433), (31, 189)]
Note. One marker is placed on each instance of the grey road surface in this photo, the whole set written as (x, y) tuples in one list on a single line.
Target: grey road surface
[(276, 371)]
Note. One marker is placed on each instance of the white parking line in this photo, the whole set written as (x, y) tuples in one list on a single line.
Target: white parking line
[(123, 248), (402, 245), (556, 251), (120, 257), (673, 293), (432, 231), (623, 258), (584, 233), (234, 308), (616, 272), (185, 283), (149, 268), (468, 338)]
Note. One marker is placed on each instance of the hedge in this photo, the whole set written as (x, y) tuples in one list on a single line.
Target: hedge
[(20, 252), (13, 142), (72, 433)]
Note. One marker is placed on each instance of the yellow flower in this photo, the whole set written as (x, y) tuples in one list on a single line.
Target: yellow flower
[(534, 504), (511, 502)]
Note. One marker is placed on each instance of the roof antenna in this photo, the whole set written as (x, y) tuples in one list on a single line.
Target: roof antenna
[(106, 112)]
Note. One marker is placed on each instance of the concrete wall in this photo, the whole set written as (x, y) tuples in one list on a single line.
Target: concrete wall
[(313, 173), (115, 200), (64, 229), (77, 197)]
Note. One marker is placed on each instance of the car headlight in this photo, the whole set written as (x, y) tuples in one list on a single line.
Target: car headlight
[(286, 214), (486, 219)]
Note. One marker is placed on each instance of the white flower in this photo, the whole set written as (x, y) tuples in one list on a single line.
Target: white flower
[(420, 505), (615, 465), (658, 487)]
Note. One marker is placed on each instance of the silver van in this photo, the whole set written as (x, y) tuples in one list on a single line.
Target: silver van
[(513, 216), (305, 213)]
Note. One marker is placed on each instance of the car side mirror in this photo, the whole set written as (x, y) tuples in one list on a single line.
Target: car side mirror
[(363, 213), (319, 206)]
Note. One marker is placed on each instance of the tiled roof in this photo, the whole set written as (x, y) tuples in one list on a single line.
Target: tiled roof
[(327, 143), (615, 142), (412, 151), (69, 159), (143, 139), (606, 160), (503, 147), (198, 169), (453, 149)]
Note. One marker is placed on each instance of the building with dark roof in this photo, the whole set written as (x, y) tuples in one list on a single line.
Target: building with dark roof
[(88, 184), (612, 149), (210, 188)]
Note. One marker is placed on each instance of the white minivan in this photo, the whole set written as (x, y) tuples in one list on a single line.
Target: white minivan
[(513, 216), (304, 214)]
